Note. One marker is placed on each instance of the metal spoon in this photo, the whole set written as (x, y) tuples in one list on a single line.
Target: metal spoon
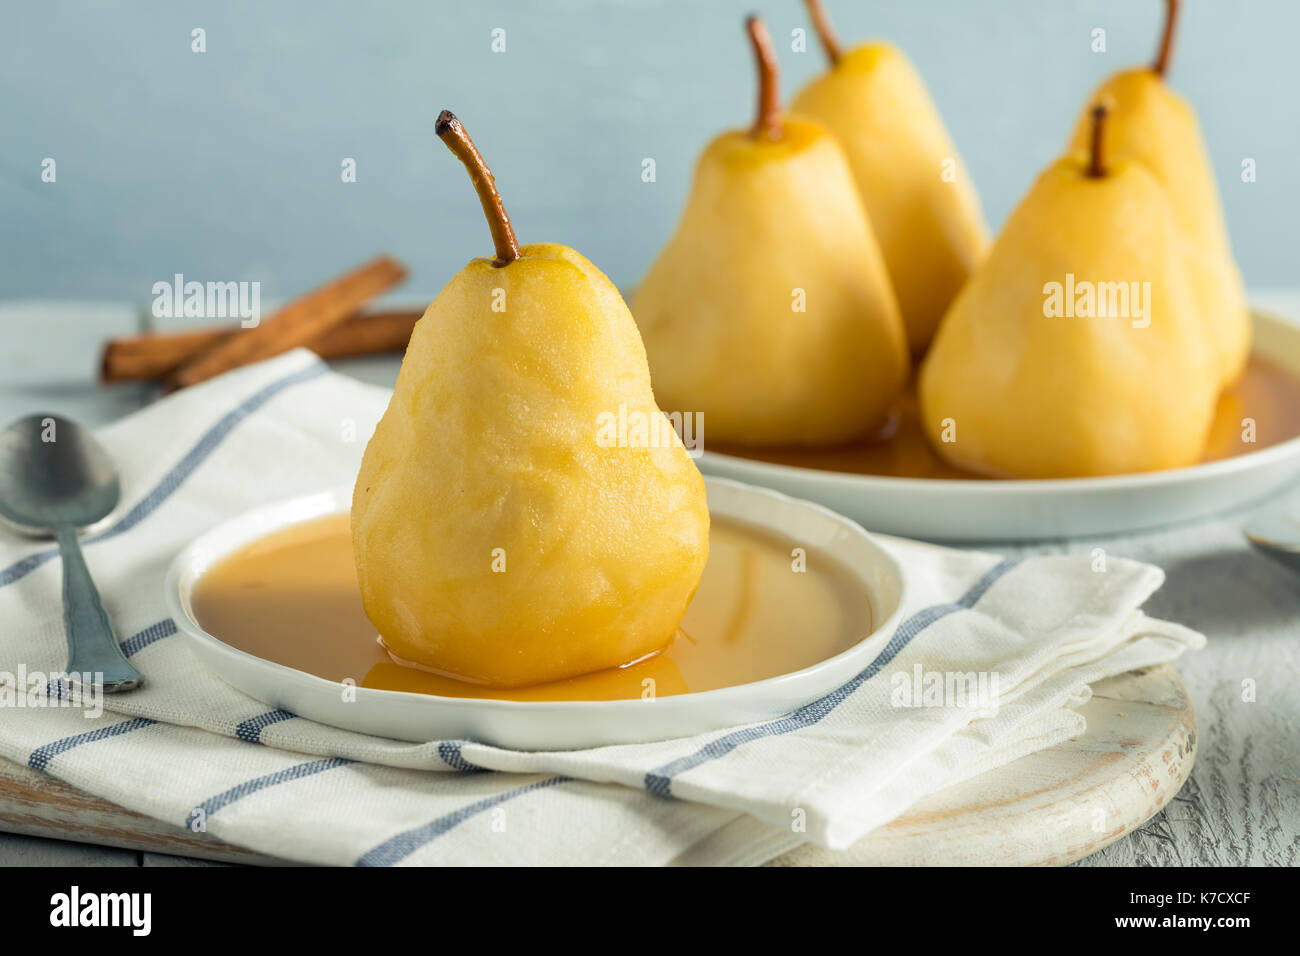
[(54, 479), (1278, 536)]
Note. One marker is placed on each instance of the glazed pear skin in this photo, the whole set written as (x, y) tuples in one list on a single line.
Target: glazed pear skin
[(717, 309), (1033, 396), (496, 538), (931, 230), (1152, 124)]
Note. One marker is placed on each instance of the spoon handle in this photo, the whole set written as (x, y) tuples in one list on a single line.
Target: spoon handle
[(92, 645)]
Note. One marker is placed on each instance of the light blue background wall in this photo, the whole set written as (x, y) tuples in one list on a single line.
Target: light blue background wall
[(225, 165)]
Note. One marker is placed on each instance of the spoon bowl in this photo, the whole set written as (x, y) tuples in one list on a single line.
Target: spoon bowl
[(53, 472), (1276, 535)]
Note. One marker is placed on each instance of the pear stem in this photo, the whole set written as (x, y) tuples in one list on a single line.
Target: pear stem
[(822, 24), (1096, 163), (768, 123), (451, 132), (1167, 40)]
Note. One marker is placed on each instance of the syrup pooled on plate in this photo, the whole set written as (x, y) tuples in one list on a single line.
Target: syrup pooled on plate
[(292, 598), (1266, 393)]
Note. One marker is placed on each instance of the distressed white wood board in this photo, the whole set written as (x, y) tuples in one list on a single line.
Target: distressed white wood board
[(49, 360), (1051, 807)]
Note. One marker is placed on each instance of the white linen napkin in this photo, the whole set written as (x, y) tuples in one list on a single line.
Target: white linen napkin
[(191, 750)]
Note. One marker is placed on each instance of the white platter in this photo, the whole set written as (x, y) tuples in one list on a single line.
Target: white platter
[(995, 510), (549, 725)]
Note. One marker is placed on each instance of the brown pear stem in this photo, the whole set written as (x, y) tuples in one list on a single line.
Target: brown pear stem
[(1167, 40), (1096, 161), (768, 123), (451, 132), (822, 24)]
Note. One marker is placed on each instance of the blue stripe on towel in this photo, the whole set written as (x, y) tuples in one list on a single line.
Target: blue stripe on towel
[(58, 688), (397, 848), (154, 632), (296, 772), (449, 751), (176, 477), (41, 757), (660, 780), (251, 729)]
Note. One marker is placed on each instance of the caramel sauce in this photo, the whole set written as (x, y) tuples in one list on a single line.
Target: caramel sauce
[(1266, 392), (292, 598)]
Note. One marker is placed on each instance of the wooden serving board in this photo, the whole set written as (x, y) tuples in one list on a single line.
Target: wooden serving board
[(1054, 806), (1051, 807)]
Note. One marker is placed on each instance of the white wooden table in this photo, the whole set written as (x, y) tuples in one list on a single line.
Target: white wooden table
[(1241, 805)]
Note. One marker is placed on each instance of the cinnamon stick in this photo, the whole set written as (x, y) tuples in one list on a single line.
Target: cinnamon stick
[(141, 358), (298, 323)]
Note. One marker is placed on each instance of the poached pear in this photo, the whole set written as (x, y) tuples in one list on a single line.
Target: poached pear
[(498, 537), (770, 310), (1075, 349), (1154, 125), (920, 200)]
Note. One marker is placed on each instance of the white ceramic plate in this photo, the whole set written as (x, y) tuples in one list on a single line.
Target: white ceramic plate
[(549, 725), (954, 510)]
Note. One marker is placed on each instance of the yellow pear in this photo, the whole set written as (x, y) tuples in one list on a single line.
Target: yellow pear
[(1075, 349), (503, 531), (770, 311), (920, 199), (1152, 124)]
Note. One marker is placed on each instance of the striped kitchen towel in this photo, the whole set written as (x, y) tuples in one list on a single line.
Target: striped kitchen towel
[(190, 750)]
